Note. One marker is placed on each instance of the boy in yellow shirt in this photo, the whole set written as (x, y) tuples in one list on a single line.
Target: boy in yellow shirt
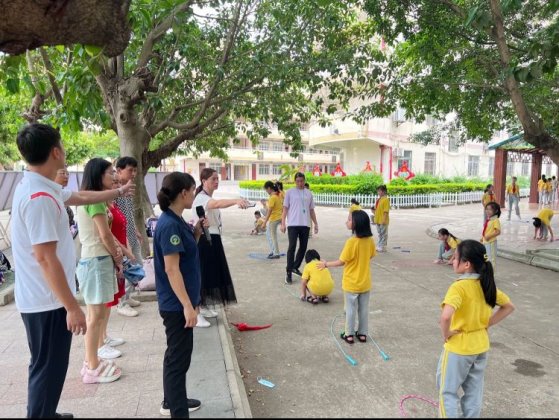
[(381, 218), (258, 224), (513, 194), (542, 223), (318, 283)]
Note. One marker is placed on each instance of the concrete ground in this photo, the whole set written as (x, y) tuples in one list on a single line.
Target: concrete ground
[(312, 378)]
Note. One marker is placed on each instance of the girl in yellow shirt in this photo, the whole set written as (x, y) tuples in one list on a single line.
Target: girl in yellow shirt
[(314, 281), (467, 313), (491, 229), (354, 205), (448, 245), (356, 280), (273, 218), (488, 197)]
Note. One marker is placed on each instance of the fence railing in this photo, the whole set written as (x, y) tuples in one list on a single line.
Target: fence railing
[(396, 201)]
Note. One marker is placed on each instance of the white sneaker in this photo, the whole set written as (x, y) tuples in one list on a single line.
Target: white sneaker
[(208, 313), (126, 310), (113, 342), (202, 322), (107, 352), (133, 302)]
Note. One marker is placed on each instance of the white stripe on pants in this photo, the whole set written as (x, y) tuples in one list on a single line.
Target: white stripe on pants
[(356, 304), (455, 371)]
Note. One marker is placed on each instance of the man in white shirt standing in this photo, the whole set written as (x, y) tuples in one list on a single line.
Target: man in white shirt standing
[(44, 257)]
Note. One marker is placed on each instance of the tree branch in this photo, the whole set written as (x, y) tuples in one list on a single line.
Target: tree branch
[(50, 75), (157, 32)]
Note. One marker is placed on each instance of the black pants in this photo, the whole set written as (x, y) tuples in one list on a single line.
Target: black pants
[(294, 232), (176, 362), (49, 343)]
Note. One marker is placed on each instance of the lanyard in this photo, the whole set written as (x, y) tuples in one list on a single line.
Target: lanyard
[(302, 196)]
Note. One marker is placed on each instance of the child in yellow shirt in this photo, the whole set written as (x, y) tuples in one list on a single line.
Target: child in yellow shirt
[(259, 226), (491, 229), (354, 205), (381, 217), (542, 223), (541, 189), (318, 283), (448, 245), (488, 197), (467, 313), (356, 280)]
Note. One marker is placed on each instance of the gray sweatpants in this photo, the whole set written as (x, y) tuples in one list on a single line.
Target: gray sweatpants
[(455, 371), (356, 304), (382, 236)]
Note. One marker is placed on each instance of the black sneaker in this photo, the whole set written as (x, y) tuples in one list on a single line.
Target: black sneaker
[(193, 405), (296, 271), (271, 254), (288, 279)]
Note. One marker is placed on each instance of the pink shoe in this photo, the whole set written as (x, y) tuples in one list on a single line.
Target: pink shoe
[(85, 366), (104, 373)]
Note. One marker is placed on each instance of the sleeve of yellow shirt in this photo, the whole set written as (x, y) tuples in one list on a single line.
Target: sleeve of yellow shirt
[(348, 251), (453, 297), (373, 248), (502, 298)]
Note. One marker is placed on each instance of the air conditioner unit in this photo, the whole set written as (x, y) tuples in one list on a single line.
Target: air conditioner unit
[(300, 157), (397, 152)]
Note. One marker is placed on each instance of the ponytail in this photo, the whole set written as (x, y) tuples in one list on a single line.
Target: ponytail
[(354, 201), (474, 252), (272, 185)]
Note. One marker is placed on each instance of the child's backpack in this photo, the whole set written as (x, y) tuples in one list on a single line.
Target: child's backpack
[(151, 223), (4, 263)]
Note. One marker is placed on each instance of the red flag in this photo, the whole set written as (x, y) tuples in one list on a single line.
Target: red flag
[(241, 326)]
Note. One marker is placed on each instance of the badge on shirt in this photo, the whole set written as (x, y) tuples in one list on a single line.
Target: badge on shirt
[(175, 240)]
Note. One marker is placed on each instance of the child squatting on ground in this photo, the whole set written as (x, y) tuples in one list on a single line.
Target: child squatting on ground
[(491, 229), (447, 247), (467, 313), (356, 280), (318, 283), (258, 224), (542, 224)]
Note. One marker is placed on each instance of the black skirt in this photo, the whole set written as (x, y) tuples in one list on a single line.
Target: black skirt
[(217, 285)]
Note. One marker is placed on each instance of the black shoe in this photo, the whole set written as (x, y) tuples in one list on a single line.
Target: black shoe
[(63, 416), (288, 279), (271, 254), (193, 405), (276, 257), (296, 271)]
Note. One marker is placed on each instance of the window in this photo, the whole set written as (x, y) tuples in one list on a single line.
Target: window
[(263, 169), (216, 167), (491, 167), (510, 168), (264, 145), (430, 163), (277, 147), (453, 142), (525, 169), (276, 169), (405, 158), (473, 165)]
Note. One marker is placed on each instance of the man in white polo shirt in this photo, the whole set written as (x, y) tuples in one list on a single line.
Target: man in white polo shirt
[(44, 258)]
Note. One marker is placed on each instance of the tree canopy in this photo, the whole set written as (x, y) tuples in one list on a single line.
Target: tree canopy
[(491, 62)]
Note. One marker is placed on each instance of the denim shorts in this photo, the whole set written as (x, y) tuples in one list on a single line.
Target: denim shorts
[(97, 280)]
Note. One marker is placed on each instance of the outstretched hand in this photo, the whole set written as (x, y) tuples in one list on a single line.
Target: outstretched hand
[(128, 189)]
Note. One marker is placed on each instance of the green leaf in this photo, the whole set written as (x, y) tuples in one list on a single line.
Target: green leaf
[(93, 50), (12, 85), (60, 48)]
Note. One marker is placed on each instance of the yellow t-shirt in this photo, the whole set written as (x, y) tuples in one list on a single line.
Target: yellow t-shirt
[(319, 282), (492, 225), (487, 198), (282, 195), (516, 190), (452, 243), (548, 187), (356, 255), (545, 216), (471, 317), (258, 223), (540, 185), (383, 206), (355, 207), (275, 207)]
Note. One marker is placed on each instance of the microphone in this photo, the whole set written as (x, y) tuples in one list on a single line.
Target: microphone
[(202, 215)]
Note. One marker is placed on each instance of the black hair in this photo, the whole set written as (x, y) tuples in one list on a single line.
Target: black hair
[(307, 185), (272, 185), (382, 188), (444, 231), (280, 185), (93, 174), (487, 188), (361, 224), (354, 201), (172, 185), (257, 213), (543, 177), (205, 174), (537, 222), (311, 254), (496, 208), (474, 252), (35, 142), (299, 175), (125, 161)]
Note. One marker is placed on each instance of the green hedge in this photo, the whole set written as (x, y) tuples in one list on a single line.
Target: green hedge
[(371, 189)]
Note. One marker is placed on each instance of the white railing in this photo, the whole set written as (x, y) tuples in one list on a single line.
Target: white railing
[(396, 201)]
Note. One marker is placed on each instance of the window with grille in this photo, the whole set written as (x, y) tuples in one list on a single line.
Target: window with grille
[(264, 145), (276, 169), (510, 168), (277, 147), (525, 169), (263, 169), (216, 167), (491, 167), (430, 162), (405, 158), (473, 165)]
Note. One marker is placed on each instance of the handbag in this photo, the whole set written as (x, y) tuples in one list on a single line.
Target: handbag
[(148, 282), (132, 272)]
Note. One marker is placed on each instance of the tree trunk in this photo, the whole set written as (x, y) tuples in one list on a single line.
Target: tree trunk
[(31, 24)]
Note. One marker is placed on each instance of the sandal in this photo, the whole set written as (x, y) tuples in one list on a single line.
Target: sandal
[(347, 338), (312, 300), (361, 337), (104, 373), (325, 299)]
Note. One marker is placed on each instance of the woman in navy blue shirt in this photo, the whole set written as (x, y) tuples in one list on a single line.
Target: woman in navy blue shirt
[(177, 282)]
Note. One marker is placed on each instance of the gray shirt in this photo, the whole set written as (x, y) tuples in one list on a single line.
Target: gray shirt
[(299, 203)]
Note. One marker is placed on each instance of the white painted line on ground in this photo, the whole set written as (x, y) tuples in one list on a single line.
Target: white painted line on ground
[(514, 284), (378, 311)]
